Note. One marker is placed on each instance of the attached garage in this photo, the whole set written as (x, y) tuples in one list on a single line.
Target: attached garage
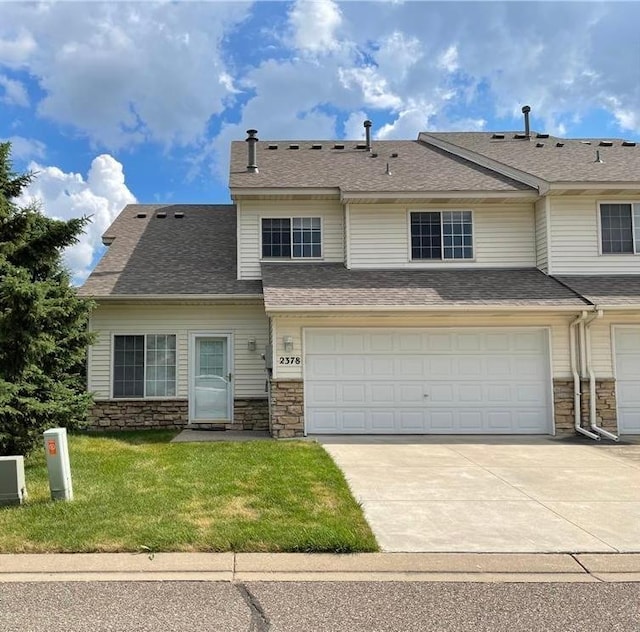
[(627, 355), (432, 381)]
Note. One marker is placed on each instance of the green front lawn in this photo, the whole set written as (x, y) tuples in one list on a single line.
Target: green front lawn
[(138, 492)]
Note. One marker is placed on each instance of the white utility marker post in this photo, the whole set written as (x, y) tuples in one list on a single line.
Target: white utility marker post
[(57, 451)]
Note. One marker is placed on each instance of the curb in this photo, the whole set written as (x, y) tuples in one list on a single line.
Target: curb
[(303, 567)]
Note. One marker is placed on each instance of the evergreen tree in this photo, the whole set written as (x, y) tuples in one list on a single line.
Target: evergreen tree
[(43, 323)]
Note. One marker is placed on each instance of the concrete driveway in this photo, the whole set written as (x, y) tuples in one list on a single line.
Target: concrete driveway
[(494, 494)]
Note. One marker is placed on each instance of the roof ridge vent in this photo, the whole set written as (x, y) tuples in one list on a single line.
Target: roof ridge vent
[(161, 214), (272, 147), (141, 215), (361, 146), (339, 146), (294, 146), (178, 214), (539, 135), (628, 143), (498, 136), (585, 142), (606, 143), (316, 146)]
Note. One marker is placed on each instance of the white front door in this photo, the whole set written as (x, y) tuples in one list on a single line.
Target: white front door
[(446, 381), (211, 378), (627, 350)]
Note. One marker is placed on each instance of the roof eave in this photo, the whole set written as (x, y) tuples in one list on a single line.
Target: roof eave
[(275, 192), (114, 298), (271, 310), (353, 196)]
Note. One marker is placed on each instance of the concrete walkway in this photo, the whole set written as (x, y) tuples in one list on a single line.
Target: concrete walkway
[(240, 567), (494, 494)]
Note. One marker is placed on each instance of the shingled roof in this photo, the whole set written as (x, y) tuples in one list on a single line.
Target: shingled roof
[(347, 166), (174, 249), (551, 158), (331, 285), (618, 290)]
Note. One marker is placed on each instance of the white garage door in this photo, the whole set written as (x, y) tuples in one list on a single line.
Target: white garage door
[(381, 381), (627, 348)]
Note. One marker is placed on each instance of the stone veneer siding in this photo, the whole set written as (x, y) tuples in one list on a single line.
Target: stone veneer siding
[(606, 408), (287, 409), (129, 414)]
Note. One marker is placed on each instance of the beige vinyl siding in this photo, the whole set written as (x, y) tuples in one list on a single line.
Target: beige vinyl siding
[(242, 321), (293, 326), (575, 236), (503, 236), (541, 236), (249, 229)]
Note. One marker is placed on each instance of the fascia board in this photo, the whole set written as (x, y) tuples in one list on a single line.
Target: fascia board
[(353, 196), (273, 310)]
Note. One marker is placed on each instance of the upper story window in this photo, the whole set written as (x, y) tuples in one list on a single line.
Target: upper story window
[(441, 235), (144, 366), (292, 237), (620, 228)]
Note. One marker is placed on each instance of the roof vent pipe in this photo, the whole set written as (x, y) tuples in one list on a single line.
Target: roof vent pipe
[(367, 132), (527, 129), (598, 158), (252, 139)]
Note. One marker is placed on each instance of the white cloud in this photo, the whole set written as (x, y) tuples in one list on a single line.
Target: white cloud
[(14, 92), (354, 125), (124, 73), (413, 119), (67, 195), (15, 49), (373, 88), (26, 148), (448, 60), (314, 24)]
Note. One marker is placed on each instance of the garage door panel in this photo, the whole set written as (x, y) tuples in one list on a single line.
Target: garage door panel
[(477, 381), (627, 363)]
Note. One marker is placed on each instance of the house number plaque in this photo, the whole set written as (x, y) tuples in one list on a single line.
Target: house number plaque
[(289, 360)]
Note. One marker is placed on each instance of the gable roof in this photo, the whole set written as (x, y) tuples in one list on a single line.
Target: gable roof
[(414, 167), (189, 251), (331, 286), (549, 158)]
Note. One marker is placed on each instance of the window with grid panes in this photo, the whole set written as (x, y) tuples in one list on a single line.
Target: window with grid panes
[(144, 365), (437, 235), (620, 228), (292, 238)]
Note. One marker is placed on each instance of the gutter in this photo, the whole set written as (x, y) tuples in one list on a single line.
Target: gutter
[(171, 297), (345, 308), (586, 325), (577, 394)]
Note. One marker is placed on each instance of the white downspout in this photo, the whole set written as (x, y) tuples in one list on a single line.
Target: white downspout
[(592, 381), (576, 378)]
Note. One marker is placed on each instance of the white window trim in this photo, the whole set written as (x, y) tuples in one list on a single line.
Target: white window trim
[(636, 248), (112, 365), (292, 258), (442, 260)]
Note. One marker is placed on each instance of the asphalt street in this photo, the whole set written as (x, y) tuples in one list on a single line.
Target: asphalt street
[(319, 607)]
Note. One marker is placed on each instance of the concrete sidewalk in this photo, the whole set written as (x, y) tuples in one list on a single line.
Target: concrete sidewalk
[(240, 567)]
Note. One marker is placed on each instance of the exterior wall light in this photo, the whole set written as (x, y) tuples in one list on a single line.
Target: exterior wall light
[(288, 343), (251, 344)]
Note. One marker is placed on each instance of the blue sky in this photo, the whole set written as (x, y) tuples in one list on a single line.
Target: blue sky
[(120, 102)]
